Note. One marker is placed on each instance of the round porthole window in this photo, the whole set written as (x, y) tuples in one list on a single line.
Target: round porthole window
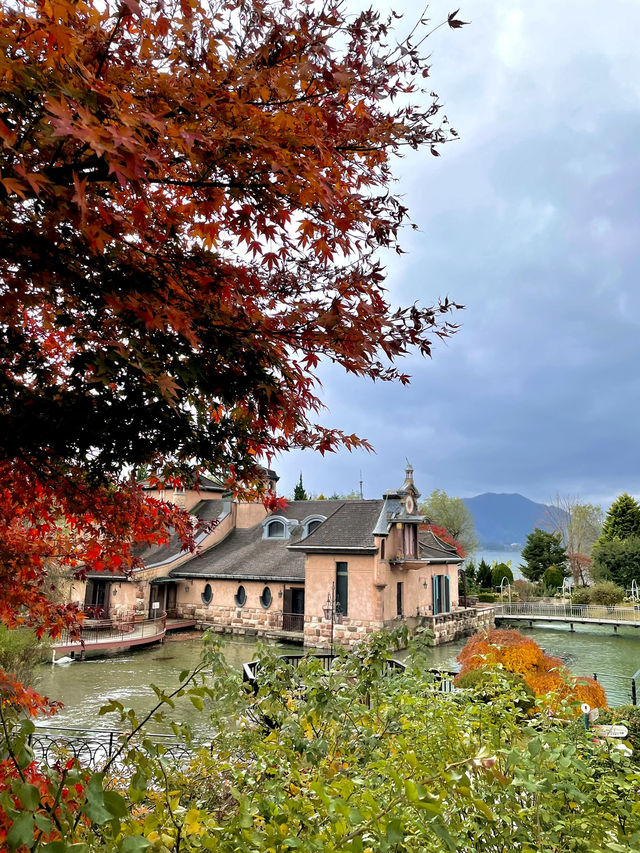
[(207, 595), (266, 598), (240, 596)]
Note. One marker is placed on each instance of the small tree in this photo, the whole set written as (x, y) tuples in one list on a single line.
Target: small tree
[(553, 577), (617, 560), (453, 514), (299, 493), (470, 570), (622, 520), (483, 575), (542, 550), (500, 571)]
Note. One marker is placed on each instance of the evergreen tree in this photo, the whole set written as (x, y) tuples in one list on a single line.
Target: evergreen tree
[(299, 493), (499, 571), (542, 550), (483, 575), (622, 520)]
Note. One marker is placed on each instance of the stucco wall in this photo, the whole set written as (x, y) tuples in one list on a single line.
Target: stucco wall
[(223, 613)]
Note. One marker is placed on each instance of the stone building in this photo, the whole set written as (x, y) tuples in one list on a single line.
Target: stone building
[(373, 563)]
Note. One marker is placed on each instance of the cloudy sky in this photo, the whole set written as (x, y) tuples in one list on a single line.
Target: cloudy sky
[(531, 221)]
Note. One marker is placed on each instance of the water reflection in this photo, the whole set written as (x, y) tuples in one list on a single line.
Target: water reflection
[(85, 686)]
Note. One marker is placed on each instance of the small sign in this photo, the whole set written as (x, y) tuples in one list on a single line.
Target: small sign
[(155, 605), (585, 708), (593, 715), (612, 731)]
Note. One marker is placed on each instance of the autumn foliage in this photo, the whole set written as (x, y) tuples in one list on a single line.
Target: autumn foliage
[(547, 676), (193, 196)]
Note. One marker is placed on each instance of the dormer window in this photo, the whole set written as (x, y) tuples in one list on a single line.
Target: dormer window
[(276, 527), (275, 530), (311, 523)]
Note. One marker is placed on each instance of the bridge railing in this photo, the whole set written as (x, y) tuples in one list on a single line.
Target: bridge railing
[(597, 612)]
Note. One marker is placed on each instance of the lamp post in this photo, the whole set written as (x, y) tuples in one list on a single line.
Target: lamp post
[(332, 611)]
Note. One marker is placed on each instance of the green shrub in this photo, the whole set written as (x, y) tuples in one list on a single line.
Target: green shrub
[(581, 595), (20, 653), (525, 589), (629, 716), (553, 577), (499, 571), (487, 597), (606, 592), (490, 683)]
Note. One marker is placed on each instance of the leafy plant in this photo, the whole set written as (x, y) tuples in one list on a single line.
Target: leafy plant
[(500, 571), (606, 592), (553, 577), (546, 675)]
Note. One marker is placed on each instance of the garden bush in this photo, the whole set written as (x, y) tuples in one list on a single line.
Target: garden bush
[(487, 597), (581, 595), (606, 592), (488, 683), (525, 589), (546, 675), (553, 578)]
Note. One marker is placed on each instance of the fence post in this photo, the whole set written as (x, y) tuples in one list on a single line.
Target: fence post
[(633, 691)]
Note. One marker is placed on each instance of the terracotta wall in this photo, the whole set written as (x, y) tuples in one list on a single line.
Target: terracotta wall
[(223, 612), (249, 514)]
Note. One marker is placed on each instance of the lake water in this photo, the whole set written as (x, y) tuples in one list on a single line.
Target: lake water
[(85, 686), (510, 557)]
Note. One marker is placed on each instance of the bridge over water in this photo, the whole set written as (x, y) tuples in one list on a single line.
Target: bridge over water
[(569, 614)]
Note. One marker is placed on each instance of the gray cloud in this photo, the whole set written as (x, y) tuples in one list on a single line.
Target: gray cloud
[(531, 221)]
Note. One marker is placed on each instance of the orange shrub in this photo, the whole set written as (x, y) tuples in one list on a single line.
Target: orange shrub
[(544, 674)]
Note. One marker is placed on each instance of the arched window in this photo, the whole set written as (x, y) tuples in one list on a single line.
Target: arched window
[(241, 596), (207, 595), (275, 530), (311, 523), (266, 598)]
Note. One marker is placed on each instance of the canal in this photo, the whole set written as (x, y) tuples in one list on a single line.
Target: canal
[(85, 686)]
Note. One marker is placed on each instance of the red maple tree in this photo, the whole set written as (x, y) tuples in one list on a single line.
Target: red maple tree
[(192, 200)]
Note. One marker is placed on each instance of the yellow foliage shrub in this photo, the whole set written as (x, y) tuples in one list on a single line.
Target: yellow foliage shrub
[(547, 676)]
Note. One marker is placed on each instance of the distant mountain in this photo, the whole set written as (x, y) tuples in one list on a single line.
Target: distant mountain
[(504, 520)]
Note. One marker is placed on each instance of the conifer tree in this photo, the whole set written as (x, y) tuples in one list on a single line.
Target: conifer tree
[(299, 493), (622, 520)]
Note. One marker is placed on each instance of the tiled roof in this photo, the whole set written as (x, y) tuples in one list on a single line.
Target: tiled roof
[(244, 554), (156, 554), (433, 548), (350, 527)]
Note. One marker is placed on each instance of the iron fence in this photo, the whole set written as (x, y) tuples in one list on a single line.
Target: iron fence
[(94, 748)]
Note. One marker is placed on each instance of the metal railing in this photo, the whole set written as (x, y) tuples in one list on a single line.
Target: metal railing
[(568, 611), (620, 689), (94, 748), (117, 629)]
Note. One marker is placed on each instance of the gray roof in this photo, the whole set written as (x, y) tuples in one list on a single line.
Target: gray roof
[(245, 555), (433, 548), (156, 554), (349, 528)]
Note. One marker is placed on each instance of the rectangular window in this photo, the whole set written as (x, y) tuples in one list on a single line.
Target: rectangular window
[(410, 540), (400, 598), (441, 596), (342, 587), (382, 548)]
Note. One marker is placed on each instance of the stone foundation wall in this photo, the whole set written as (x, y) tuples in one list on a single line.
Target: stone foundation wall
[(317, 632), (448, 627), (246, 621)]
